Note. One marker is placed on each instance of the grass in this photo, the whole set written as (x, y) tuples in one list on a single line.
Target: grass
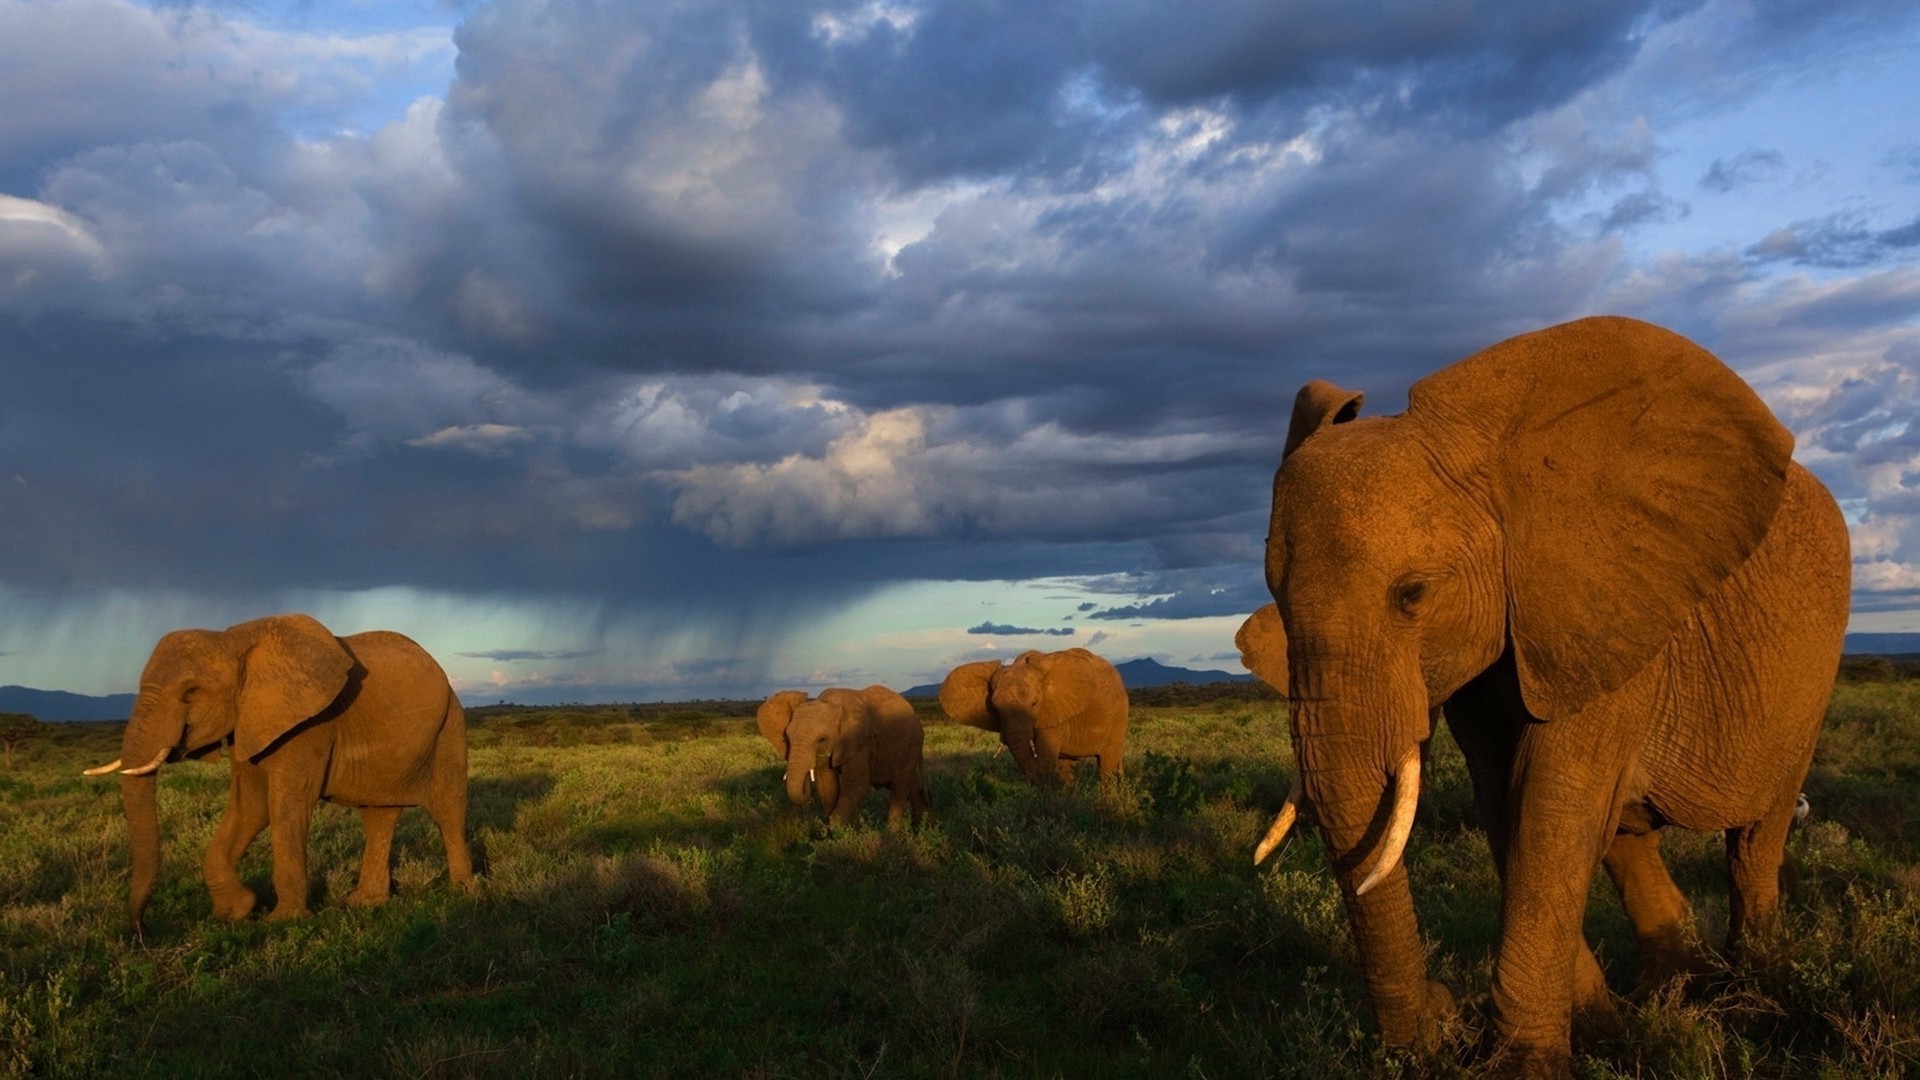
[(651, 906)]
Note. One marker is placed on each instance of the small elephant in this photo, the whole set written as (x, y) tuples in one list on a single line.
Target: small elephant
[(846, 743), (367, 721), (1590, 549), (1050, 709)]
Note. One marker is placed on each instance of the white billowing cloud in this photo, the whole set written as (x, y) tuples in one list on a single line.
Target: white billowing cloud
[(38, 240), (490, 439), (871, 482)]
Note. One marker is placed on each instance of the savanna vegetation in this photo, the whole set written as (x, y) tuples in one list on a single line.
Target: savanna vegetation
[(652, 906)]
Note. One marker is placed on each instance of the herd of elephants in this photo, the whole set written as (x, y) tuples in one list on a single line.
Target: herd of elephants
[(1588, 548)]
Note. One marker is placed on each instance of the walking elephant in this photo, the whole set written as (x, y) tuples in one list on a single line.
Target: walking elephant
[(1590, 548), (1050, 709), (845, 743), (366, 721)]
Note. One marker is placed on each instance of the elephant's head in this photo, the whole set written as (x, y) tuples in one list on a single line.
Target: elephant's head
[(1569, 495), (824, 733), (1003, 698), (254, 682)]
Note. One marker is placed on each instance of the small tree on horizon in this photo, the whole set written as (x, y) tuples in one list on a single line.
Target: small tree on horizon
[(16, 728)]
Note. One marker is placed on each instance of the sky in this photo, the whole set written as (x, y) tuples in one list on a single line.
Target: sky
[(699, 349)]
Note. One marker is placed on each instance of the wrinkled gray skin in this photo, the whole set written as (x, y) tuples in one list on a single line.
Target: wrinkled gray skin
[(844, 744), (367, 721)]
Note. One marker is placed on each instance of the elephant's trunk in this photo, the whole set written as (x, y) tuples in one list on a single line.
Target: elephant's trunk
[(799, 776), (146, 744), (1349, 791), (143, 834), (1016, 731)]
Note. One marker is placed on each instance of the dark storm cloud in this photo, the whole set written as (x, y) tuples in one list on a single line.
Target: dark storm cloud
[(729, 307), (1005, 630)]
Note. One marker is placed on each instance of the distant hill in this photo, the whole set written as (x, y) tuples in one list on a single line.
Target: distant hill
[(1134, 675), (1882, 644), (60, 705)]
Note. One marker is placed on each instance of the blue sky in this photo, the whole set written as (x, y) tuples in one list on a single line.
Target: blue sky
[(698, 349)]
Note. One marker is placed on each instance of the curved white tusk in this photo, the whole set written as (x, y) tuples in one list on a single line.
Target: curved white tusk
[(1282, 823), (809, 776), (1406, 796), (150, 767), (101, 770)]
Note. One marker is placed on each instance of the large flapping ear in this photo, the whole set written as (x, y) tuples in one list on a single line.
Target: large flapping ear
[(1262, 642), (291, 669), (1317, 405), (775, 714), (963, 694), (1630, 472)]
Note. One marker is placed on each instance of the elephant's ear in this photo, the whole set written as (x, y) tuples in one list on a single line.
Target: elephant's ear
[(1318, 404), (1262, 641), (963, 694), (775, 714), (1630, 472), (291, 669)]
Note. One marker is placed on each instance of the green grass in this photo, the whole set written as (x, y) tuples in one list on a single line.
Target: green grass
[(652, 906)]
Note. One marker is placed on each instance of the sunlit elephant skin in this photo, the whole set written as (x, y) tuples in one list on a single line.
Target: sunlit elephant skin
[(366, 721), (1590, 548), (1050, 709), (844, 744)]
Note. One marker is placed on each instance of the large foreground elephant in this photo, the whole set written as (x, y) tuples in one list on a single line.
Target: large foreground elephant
[(1050, 709), (367, 721), (1590, 546), (845, 743)]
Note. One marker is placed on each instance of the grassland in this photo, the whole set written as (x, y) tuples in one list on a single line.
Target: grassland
[(651, 906)]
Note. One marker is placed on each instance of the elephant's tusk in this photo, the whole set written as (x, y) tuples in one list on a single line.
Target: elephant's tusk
[(101, 770), (1282, 822), (809, 776), (1406, 796), (150, 767)]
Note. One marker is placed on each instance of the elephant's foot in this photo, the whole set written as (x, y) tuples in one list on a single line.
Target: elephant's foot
[(1424, 1030), (366, 896), (1667, 957), (233, 905), (1596, 1017), (287, 912)]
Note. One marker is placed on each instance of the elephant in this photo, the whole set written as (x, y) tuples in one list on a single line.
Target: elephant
[(1050, 709), (1589, 549), (845, 743), (367, 721)]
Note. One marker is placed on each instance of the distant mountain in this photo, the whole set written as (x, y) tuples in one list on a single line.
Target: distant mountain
[(1882, 644), (60, 705), (1134, 674)]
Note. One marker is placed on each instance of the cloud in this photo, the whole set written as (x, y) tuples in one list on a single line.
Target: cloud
[(1839, 241), (1004, 630), (1748, 167)]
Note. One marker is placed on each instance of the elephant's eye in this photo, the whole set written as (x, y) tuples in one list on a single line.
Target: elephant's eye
[(189, 694), (1406, 595)]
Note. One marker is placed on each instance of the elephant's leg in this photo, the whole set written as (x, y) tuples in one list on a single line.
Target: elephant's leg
[(447, 803), (1049, 765), (897, 798), (376, 882), (1486, 718), (1754, 855), (1659, 913), (1564, 807), (853, 791), (291, 796), (245, 817)]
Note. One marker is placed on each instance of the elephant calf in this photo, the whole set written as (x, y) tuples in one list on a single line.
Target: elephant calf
[(846, 743), (367, 721)]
